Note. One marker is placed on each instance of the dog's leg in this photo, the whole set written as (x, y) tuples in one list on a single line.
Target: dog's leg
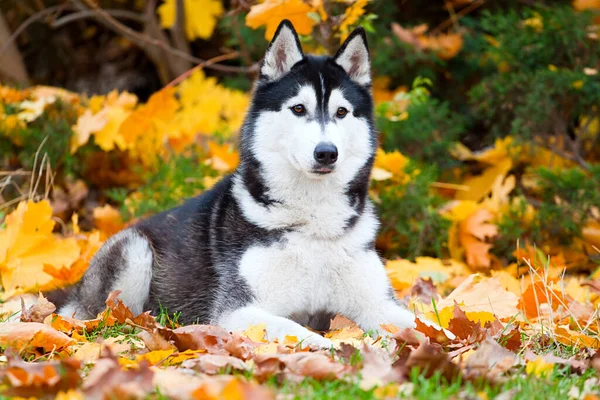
[(276, 327), (123, 263), (375, 303)]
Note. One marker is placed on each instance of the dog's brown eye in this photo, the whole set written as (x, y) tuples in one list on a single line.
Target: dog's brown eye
[(298, 109), (341, 112)]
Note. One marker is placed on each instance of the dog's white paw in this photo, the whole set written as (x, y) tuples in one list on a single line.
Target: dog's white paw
[(402, 318), (317, 342)]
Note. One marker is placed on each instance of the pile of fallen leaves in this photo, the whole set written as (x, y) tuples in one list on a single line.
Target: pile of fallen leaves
[(479, 332)]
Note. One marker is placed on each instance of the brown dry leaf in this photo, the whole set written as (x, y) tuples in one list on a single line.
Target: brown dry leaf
[(464, 328), (40, 378), (198, 337), (155, 341), (267, 365), (489, 360), (408, 337), (108, 380), (240, 346), (213, 364), (339, 322), (424, 289), (430, 359), (123, 314), (313, 365), (433, 331), (446, 46), (37, 312), (180, 384), (377, 368), (485, 295), (31, 336)]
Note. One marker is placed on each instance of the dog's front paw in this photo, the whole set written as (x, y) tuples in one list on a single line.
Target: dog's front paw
[(402, 318), (317, 342)]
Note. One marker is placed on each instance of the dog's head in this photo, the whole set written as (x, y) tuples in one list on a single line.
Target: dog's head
[(313, 114)]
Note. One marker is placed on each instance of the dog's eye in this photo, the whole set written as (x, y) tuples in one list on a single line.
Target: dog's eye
[(299, 109), (341, 112)]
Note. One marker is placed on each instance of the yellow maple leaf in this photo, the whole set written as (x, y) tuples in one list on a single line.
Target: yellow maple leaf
[(394, 163), (256, 333), (351, 16), (200, 16), (146, 128), (27, 244), (403, 273), (109, 136), (87, 124), (444, 316), (539, 367), (271, 12), (206, 108)]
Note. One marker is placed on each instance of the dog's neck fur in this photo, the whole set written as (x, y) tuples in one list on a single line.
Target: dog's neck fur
[(285, 198)]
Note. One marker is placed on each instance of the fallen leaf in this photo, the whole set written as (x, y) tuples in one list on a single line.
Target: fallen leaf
[(539, 367), (213, 364), (27, 244), (473, 232), (430, 359), (486, 295), (464, 328), (37, 312), (489, 360), (256, 333), (40, 378), (433, 331), (32, 336), (108, 380)]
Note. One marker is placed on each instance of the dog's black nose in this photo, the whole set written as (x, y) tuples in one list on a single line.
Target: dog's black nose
[(326, 153)]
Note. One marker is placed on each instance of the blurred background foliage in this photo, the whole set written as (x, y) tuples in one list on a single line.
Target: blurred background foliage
[(488, 113)]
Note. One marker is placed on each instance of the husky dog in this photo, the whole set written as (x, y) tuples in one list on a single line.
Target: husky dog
[(286, 240)]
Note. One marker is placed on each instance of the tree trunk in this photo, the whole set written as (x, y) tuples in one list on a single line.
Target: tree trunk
[(11, 63)]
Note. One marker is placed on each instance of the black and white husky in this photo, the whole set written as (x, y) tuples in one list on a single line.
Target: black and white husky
[(288, 239)]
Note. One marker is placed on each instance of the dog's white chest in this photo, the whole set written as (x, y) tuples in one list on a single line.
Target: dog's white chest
[(308, 275), (296, 275)]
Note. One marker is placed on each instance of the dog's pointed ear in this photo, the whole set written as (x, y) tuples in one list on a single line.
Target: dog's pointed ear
[(283, 52), (353, 56)]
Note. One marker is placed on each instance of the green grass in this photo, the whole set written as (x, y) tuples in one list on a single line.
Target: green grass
[(555, 386)]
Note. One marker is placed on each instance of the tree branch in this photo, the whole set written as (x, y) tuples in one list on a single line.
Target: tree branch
[(141, 40), (122, 14)]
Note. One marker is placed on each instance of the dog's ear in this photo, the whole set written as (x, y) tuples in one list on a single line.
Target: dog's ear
[(283, 52), (353, 56)]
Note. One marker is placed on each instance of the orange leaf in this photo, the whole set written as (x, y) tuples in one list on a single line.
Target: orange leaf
[(271, 12), (32, 336), (472, 233)]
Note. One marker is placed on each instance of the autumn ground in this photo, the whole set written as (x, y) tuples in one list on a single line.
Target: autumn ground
[(492, 238)]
